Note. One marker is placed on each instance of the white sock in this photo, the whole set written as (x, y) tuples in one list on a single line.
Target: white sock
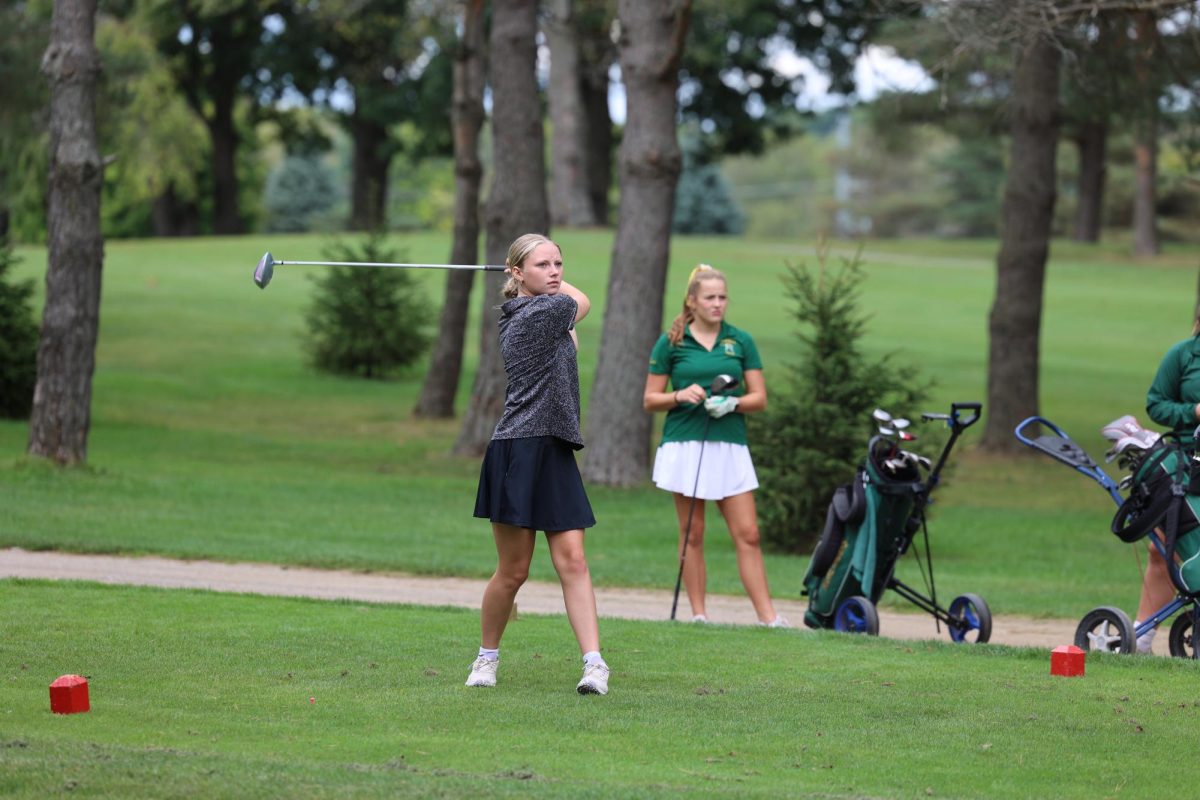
[(1146, 639), (591, 658), (490, 655)]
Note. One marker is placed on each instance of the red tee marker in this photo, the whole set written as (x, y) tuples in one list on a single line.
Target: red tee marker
[(69, 695), (1067, 661)]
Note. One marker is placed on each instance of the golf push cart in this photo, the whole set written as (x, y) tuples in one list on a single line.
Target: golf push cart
[(871, 523), (1162, 501)]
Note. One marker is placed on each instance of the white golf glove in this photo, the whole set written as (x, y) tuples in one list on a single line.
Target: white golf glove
[(718, 407)]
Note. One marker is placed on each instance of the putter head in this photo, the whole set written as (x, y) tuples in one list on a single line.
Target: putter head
[(723, 383), (264, 271)]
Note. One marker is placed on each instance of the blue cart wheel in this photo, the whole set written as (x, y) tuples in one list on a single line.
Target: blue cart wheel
[(1107, 630), (1183, 643), (970, 619), (856, 615)]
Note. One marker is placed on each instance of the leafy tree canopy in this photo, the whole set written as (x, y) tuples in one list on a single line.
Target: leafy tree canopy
[(735, 79)]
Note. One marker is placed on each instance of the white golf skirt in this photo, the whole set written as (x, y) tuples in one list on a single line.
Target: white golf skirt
[(725, 469)]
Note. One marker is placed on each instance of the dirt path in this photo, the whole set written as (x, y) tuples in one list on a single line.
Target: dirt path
[(535, 598)]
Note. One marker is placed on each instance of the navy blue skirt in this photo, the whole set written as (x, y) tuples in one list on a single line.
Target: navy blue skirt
[(533, 483)]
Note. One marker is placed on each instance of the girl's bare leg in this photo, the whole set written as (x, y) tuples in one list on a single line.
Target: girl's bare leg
[(514, 551), (1157, 589), (695, 573), (742, 518), (566, 552)]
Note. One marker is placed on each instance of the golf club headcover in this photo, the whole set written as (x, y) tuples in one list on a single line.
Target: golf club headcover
[(718, 407)]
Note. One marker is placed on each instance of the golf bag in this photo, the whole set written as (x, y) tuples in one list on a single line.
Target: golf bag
[(870, 524), (1161, 503), (1164, 492)]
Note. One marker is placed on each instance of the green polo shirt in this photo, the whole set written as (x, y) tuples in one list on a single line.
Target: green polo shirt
[(1175, 392), (690, 362)]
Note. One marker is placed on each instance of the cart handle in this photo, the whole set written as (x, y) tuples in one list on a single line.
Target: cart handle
[(953, 419)]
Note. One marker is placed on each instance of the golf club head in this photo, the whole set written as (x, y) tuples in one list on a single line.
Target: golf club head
[(723, 383), (881, 416), (264, 271), (886, 431), (900, 423)]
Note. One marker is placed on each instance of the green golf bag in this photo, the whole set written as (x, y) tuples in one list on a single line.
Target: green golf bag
[(871, 523), (1165, 493), (868, 526)]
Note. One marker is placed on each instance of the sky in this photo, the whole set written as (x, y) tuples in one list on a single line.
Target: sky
[(878, 70)]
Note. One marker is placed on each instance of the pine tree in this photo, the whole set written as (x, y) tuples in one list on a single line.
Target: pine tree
[(18, 341), (368, 323), (818, 422)]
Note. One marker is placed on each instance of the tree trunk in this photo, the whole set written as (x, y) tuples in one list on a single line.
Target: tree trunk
[(1145, 146), (570, 203), (66, 359), (1015, 320), (1145, 159), (173, 217), (517, 203), (1092, 143), (445, 366), (227, 217), (599, 138), (652, 37), (372, 158)]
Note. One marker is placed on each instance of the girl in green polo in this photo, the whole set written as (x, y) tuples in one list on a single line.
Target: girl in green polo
[(699, 346)]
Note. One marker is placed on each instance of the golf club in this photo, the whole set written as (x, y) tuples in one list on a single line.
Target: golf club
[(266, 267), (720, 385)]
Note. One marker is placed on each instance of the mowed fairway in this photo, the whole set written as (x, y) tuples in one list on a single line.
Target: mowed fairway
[(211, 438), (195, 694)]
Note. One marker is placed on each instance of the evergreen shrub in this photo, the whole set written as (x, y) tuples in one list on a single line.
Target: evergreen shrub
[(18, 341), (704, 201), (368, 323), (818, 421), (300, 195)]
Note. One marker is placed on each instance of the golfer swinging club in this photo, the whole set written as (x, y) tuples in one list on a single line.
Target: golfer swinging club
[(529, 481)]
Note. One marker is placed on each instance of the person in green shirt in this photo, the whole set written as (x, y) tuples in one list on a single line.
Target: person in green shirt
[(1174, 402), (699, 346)]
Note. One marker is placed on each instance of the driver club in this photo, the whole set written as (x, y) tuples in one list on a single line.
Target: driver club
[(266, 267), (720, 385)]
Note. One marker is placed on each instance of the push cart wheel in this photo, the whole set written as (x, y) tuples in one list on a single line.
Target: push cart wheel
[(970, 619), (1183, 644), (1105, 629), (857, 615)]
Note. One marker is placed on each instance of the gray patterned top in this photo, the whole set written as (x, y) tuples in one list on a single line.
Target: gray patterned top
[(543, 372)]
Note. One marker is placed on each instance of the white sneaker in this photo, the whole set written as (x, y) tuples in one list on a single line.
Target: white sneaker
[(700, 618), (1145, 642), (483, 672), (595, 679), (780, 621)]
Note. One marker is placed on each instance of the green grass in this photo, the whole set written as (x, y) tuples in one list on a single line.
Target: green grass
[(199, 694), (210, 438)]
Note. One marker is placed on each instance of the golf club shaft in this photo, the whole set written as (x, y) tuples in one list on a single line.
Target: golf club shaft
[(480, 267), (687, 530)]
